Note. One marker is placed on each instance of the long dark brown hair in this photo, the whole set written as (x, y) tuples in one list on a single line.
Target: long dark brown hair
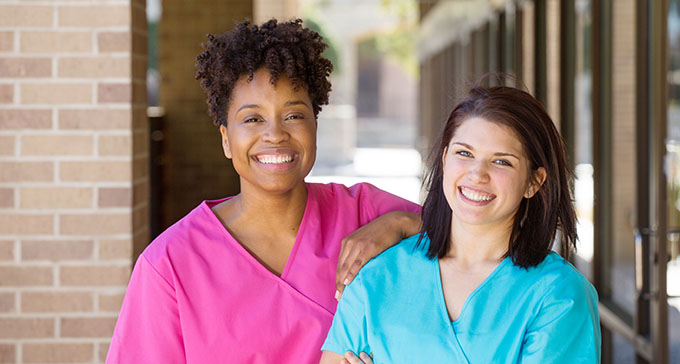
[(537, 219)]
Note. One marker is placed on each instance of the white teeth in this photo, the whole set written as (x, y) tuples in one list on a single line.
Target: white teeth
[(274, 159), (475, 196)]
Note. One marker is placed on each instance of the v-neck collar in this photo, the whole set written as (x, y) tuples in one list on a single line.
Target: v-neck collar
[(469, 298), (207, 207), (443, 311)]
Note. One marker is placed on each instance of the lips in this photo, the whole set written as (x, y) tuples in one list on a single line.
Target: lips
[(274, 158), (475, 195)]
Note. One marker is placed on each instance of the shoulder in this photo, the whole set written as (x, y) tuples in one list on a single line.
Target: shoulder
[(368, 200), (404, 258), (179, 239), (557, 278), (341, 191)]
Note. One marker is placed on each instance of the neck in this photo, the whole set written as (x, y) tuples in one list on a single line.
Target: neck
[(473, 244), (267, 211)]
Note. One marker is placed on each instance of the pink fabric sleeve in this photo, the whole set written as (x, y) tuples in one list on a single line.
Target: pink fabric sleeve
[(148, 328), (376, 202)]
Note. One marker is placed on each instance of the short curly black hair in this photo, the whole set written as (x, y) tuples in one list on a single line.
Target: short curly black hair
[(285, 48)]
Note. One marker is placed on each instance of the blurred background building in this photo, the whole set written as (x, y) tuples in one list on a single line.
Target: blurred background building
[(105, 140)]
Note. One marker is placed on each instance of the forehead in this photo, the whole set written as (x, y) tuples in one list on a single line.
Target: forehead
[(261, 86), (482, 133)]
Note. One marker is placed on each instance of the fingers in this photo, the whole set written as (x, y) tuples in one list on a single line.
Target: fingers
[(352, 252), (351, 266), (363, 358)]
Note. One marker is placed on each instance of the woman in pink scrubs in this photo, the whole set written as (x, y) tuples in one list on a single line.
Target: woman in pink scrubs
[(252, 278)]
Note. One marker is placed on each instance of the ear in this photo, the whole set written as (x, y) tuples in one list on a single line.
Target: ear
[(225, 142), (537, 180), (446, 149)]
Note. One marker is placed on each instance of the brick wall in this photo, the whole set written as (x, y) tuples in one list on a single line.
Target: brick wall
[(73, 173)]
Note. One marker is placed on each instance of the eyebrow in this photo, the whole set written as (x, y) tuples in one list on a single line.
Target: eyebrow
[(502, 154), (287, 103)]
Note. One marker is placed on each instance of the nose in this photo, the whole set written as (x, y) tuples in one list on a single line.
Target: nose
[(275, 132), (479, 172)]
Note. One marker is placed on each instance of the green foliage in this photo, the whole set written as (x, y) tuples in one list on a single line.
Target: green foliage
[(400, 42), (331, 52)]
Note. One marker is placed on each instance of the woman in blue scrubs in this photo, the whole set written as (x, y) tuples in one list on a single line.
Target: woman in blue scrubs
[(480, 283)]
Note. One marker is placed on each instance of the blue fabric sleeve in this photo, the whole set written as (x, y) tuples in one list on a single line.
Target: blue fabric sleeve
[(567, 326), (349, 331)]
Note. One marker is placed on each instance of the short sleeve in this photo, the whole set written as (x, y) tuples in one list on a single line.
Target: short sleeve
[(148, 328), (567, 326), (376, 202), (349, 330)]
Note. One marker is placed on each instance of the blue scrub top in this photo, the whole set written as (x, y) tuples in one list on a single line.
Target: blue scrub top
[(395, 309)]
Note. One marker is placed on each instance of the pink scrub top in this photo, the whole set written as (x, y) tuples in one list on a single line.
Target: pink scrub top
[(197, 296)]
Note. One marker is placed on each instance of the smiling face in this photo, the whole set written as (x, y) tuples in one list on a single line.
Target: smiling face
[(270, 134), (486, 173)]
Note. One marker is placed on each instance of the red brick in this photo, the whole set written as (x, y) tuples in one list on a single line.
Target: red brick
[(114, 93), (7, 302), (95, 224), (6, 145), (25, 276), (88, 327), (95, 171), (25, 119), (26, 16), (52, 145), (103, 351), (94, 16), (94, 275), (114, 42), (56, 250), (115, 197), (25, 67), (110, 302), (56, 93), (7, 353), (6, 93), (6, 197), (56, 197), (100, 67), (6, 41), (55, 42), (115, 249), (58, 352), (57, 302), (18, 328), (26, 171), (115, 145), (26, 224), (6, 250), (94, 119)]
